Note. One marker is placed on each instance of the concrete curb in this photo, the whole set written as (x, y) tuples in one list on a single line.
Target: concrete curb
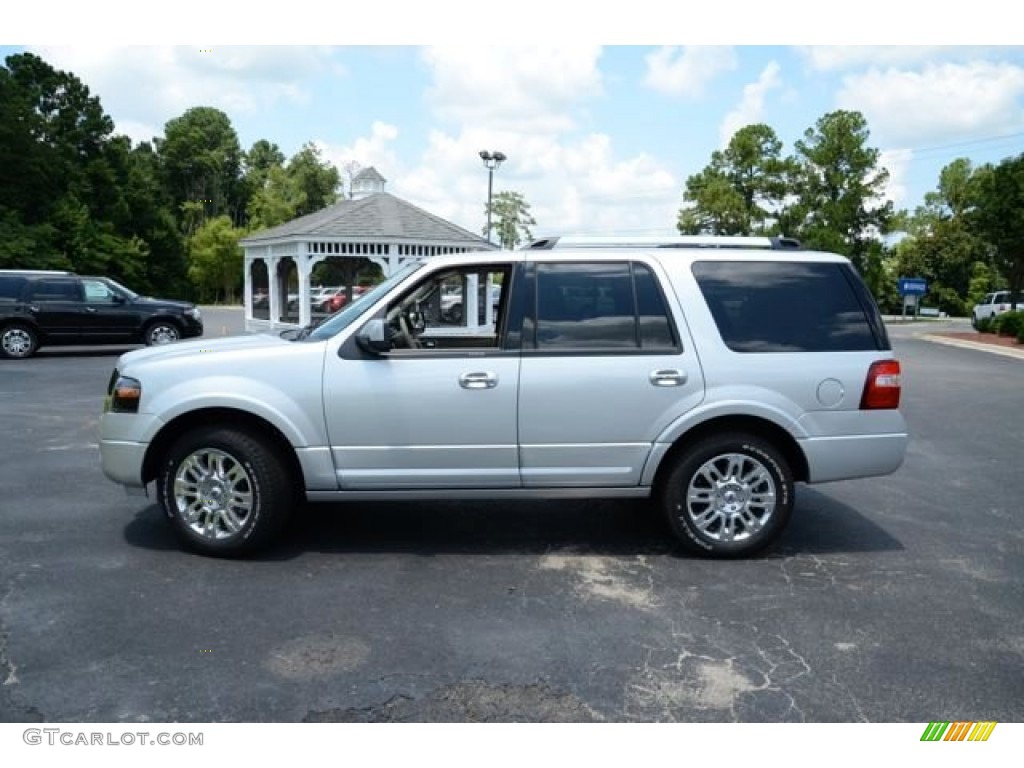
[(1004, 351)]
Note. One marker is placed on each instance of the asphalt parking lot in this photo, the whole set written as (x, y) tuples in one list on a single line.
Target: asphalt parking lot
[(889, 599)]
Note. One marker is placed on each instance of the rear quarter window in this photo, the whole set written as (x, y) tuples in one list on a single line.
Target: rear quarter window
[(11, 287), (763, 306)]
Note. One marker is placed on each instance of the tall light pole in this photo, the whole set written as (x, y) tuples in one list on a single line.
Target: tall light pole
[(491, 161)]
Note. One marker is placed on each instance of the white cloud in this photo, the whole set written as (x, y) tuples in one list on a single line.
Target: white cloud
[(827, 58), (512, 87), (145, 86), (751, 106), (572, 185), (938, 103), (897, 162), (686, 70), (375, 149), (528, 104)]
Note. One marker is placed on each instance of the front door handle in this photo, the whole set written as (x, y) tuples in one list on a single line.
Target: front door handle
[(478, 380), (91, 310), (668, 377)]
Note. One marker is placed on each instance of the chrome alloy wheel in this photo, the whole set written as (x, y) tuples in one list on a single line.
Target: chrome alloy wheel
[(213, 494), (163, 334), (731, 497), (17, 342)]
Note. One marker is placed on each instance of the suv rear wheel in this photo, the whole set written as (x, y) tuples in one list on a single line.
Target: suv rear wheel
[(729, 496), (18, 341), (225, 491)]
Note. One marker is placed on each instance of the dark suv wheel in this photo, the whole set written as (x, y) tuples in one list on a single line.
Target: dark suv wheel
[(162, 332), (18, 341), (729, 496)]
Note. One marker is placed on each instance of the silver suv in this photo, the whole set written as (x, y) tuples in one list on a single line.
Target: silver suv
[(708, 373)]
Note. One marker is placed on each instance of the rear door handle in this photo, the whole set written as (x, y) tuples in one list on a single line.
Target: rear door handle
[(91, 309), (478, 380), (668, 377)]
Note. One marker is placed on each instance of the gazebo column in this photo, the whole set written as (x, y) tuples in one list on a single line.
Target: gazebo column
[(305, 269), (247, 290), (274, 288)]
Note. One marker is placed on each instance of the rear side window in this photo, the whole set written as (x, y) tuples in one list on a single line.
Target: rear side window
[(10, 287), (590, 306), (789, 306), (56, 290)]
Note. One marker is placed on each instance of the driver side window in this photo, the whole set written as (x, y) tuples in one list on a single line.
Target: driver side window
[(457, 308)]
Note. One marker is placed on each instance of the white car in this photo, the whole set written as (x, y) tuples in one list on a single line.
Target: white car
[(993, 304)]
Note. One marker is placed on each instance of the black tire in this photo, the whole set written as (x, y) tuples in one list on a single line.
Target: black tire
[(18, 341), (161, 332), (207, 461), (732, 483)]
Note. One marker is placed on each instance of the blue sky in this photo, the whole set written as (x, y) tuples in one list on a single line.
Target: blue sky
[(598, 138)]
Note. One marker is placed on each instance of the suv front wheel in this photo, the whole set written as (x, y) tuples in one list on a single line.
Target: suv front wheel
[(161, 332), (729, 496), (225, 491)]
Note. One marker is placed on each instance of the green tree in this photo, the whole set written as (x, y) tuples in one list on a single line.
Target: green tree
[(942, 247), (999, 218), (840, 188), (510, 218), (315, 180), (201, 161), (743, 190), (215, 260), (62, 176)]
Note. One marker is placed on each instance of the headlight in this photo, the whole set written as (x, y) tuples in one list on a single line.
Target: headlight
[(194, 312), (124, 395)]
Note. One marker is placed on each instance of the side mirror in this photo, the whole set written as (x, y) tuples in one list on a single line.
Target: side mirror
[(119, 299), (373, 337), (290, 334)]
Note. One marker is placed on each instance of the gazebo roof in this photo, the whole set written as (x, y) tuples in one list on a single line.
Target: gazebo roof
[(380, 215)]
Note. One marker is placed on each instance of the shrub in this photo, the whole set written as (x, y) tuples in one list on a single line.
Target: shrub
[(1009, 323), (1020, 335), (985, 325)]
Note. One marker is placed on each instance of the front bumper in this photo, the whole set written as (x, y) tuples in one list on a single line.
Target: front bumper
[(122, 462), (124, 440)]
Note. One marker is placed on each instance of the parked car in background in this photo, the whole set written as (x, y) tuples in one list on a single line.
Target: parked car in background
[(41, 308), (339, 300), (994, 304)]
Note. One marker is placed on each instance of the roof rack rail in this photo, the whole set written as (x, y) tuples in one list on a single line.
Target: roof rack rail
[(665, 241), (35, 272)]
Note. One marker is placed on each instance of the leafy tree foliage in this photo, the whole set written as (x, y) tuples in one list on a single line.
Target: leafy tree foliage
[(999, 218), (201, 164), (941, 246), (215, 260), (743, 190), (840, 187), (63, 176), (510, 218)]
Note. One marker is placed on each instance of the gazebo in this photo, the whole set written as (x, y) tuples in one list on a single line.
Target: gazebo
[(373, 225)]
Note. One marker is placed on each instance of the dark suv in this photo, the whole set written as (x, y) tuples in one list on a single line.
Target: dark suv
[(39, 308)]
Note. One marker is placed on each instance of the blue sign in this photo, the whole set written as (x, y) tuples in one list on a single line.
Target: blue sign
[(913, 286)]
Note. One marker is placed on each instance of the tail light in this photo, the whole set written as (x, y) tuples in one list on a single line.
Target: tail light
[(882, 388)]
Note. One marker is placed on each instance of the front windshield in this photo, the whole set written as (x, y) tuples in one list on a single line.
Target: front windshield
[(341, 320)]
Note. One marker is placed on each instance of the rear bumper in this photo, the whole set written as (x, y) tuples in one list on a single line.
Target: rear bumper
[(853, 456)]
